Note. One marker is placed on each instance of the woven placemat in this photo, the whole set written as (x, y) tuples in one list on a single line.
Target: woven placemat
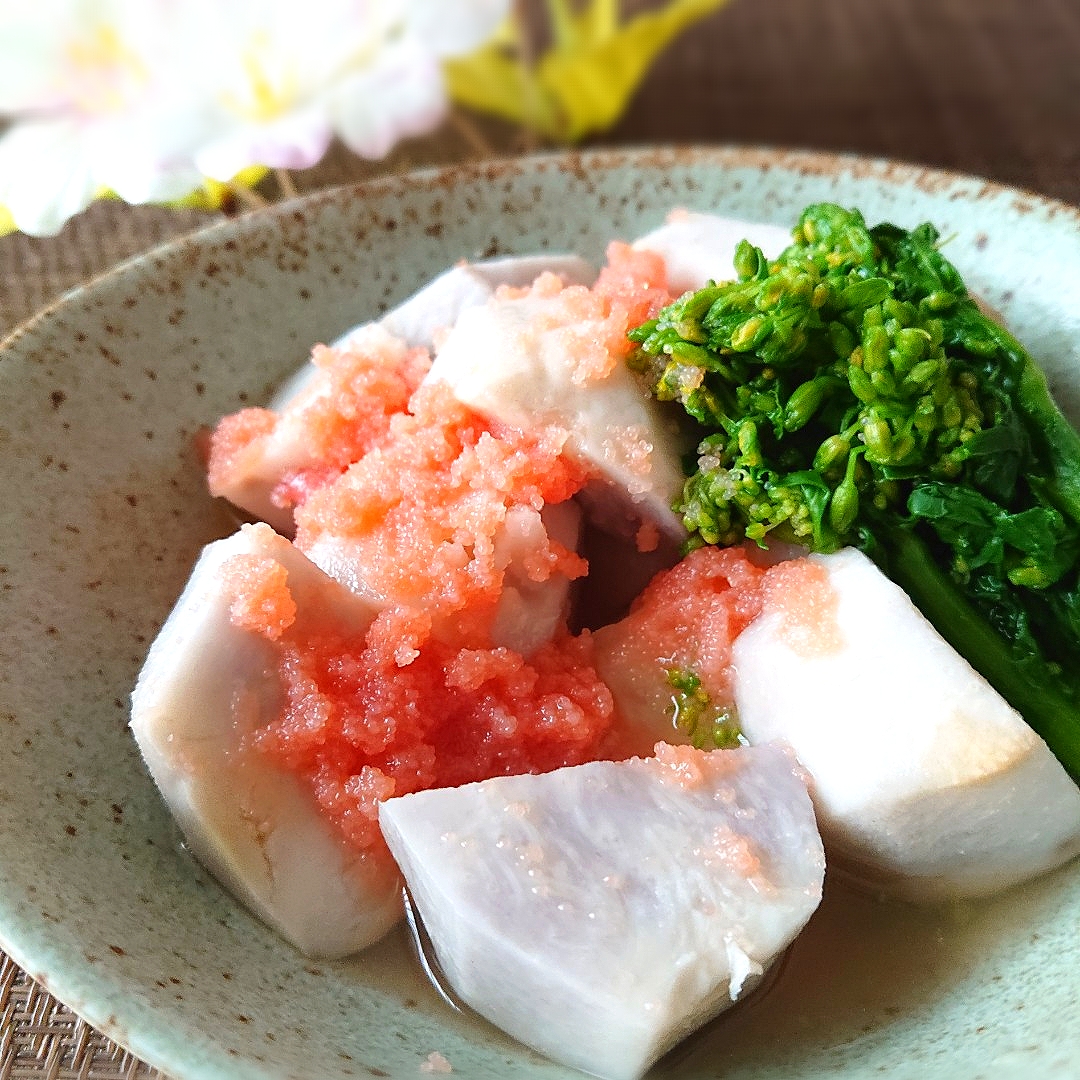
[(989, 87), (40, 1038)]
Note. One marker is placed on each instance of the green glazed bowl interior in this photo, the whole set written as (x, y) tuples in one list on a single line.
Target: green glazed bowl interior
[(102, 398)]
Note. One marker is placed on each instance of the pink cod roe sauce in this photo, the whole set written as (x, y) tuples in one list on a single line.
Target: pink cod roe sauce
[(404, 708), (591, 324), (343, 413), (415, 489), (359, 728), (421, 513)]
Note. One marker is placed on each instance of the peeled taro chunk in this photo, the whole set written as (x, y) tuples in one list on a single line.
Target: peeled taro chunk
[(555, 356), (256, 454), (207, 685), (698, 248), (926, 782), (601, 913)]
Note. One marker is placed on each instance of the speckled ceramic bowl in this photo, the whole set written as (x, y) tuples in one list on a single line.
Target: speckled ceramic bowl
[(104, 510)]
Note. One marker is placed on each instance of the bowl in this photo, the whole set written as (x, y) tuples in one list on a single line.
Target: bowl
[(102, 399)]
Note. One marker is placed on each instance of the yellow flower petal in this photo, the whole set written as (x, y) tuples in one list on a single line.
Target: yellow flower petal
[(213, 193), (595, 22), (495, 80), (585, 80), (591, 85)]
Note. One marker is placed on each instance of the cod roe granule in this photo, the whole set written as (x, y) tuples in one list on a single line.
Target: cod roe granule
[(342, 412), (359, 728), (589, 325), (420, 517)]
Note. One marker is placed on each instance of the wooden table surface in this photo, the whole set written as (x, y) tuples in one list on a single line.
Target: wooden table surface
[(987, 87)]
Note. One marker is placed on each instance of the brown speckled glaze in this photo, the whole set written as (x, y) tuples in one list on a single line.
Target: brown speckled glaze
[(104, 510)]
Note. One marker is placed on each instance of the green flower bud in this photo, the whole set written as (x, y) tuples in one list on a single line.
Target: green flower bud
[(842, 340), (935, 328), (862, 294), (924, 373), (749, 333), (861, 386), (771, 296), (878, 438), (939, 301), (1031, 576), (875, 349), (899, 313), (844, 505), (951, 414), (756, 531), (924, 415), (949, 466), (805, 400), (872, 316), (690, 330), (883, 383), (750, 262), (831, 453), (912, 345), (749, 446)]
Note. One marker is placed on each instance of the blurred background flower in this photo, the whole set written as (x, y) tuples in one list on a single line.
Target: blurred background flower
[(195, 101), (582, 78)]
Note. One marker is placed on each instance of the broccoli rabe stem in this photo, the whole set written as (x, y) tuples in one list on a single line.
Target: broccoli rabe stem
[(852, 392), (1060, 439)]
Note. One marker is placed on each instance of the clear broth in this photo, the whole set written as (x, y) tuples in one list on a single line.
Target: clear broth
[(863, 966)]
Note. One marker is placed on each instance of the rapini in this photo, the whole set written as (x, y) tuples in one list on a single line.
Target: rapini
[(852, 392)]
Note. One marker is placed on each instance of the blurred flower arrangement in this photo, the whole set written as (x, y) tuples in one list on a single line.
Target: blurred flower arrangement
[(194, 102)]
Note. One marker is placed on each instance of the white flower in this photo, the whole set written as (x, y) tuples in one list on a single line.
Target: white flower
[(88, 93), (366, 71), (147, 98)]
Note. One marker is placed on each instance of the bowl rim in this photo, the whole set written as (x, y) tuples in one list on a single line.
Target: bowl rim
[(808, 162)]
